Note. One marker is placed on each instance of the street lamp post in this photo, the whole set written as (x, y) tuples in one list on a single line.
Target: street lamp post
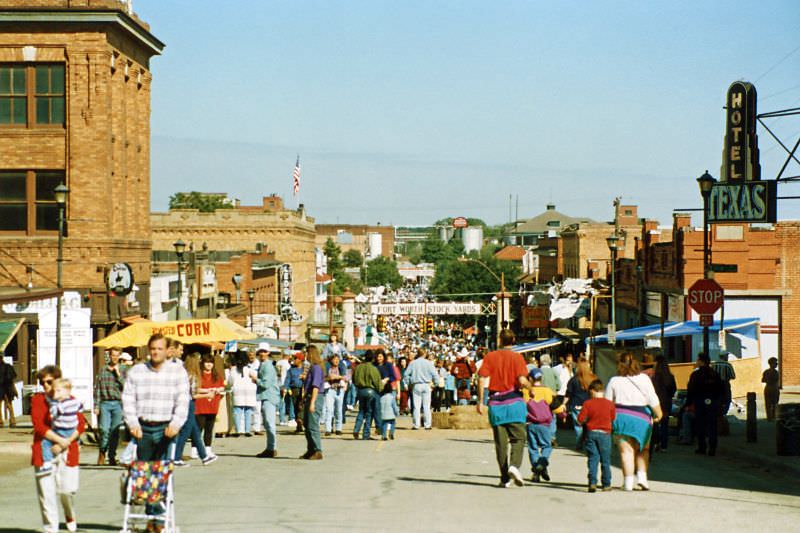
[(61, 193), (706, 183), (615, 242), (251, 295), (180, 248), (500, 297)]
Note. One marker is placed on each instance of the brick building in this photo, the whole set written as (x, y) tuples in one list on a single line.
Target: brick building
[(764, 285), (263, 236), (358, 237), (75, 86)]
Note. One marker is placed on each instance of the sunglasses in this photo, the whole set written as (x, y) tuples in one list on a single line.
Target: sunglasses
[(47, 381)]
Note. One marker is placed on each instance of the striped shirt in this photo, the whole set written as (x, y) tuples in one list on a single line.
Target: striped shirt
[(156, 395), (65, 413)]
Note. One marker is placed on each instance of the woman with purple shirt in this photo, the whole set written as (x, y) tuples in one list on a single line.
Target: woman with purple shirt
[(314, 402)]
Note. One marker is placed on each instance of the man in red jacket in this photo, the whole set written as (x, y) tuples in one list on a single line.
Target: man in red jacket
[(62, 481)]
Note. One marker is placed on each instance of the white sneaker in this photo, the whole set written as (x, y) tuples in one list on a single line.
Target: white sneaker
[(72, 526), (292, 423), (516, 476), (641, 480), (628, 483), (193, 453), (209, 451)]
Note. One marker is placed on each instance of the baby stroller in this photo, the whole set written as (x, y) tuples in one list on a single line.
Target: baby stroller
[(149, 485)]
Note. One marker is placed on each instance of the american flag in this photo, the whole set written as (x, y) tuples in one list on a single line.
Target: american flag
[(296, 177)]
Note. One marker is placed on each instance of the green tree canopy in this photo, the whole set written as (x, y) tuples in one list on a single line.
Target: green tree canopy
[(204, 202), (470, 279), (332, 252), (382, 271), (352, 258)]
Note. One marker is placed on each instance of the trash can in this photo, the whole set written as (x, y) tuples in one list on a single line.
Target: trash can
[(787, 429)]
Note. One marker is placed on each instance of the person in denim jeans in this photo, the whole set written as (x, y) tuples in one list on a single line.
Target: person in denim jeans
[(312, 386), (334, 395), (108, 405), (268, 394), (597, 415), (367, 380), (243, 385)]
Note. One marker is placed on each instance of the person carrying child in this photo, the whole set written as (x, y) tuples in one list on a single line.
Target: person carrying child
[(538, 424), (64, 410), (597, 417)]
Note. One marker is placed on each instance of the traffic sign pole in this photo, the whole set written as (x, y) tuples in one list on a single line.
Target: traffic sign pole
[(706, 296)]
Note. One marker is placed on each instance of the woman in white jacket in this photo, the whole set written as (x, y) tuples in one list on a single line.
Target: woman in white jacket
[(637, 407), (242, 381)]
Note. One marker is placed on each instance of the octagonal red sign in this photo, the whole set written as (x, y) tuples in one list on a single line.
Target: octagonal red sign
[(706, 296)]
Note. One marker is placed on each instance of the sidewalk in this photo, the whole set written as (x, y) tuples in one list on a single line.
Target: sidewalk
[(762, 453)]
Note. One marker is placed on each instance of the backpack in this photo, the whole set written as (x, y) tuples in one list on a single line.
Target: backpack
[(539, 412)]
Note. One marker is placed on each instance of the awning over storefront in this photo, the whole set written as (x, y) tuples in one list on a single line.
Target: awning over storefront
[(185, 331), (9, 328), (744, 326), (536, 345)]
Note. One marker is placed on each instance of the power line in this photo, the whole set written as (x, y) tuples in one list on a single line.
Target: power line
[(773, 67)]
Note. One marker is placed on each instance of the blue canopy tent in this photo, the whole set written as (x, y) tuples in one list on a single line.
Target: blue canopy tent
[(536, 345), (744, 326)]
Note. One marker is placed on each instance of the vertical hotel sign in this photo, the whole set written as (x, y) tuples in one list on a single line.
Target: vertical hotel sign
[(741, 195), (285, 290)]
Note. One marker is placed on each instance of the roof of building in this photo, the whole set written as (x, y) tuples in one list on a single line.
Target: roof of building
[(510, 253), (549, 220)]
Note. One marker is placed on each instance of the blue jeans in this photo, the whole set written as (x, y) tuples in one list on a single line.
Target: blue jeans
[(311, 423), (367, 410), (47, 446), (110, 422), (388, 428), (539, 445), (352, 395), (190, 429), (268, 413), (573, 413), (422, 401), (334, 408), (285, 408), (241, 418), (598, 449)]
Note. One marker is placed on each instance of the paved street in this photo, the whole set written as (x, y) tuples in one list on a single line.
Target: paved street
[(442, 480)]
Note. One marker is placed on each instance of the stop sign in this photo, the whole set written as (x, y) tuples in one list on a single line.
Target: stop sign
[(706, 296)]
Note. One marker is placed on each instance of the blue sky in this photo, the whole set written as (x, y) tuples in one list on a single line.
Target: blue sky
[(407, 112)]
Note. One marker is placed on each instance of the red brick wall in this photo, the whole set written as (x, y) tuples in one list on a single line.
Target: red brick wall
[(788, 275), (104, 150)]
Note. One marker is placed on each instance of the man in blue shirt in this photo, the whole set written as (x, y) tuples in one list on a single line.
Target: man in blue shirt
[(294, 382), (419, 378)]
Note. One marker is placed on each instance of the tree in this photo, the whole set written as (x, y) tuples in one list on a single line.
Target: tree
[(468, 280), (352, 258), (204, 202), (342, 280), (382, 271), (332, 252)]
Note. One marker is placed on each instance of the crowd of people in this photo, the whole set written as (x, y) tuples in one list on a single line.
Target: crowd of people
[(171, 398)]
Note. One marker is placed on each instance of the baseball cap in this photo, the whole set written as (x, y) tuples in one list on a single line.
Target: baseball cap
[(535, 374), (264, 346), (126, 356)]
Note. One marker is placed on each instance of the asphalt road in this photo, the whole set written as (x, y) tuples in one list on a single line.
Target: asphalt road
[(440, 480)]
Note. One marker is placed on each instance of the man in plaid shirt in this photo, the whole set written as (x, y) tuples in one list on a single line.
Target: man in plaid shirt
[(155, 401), (108, 405)]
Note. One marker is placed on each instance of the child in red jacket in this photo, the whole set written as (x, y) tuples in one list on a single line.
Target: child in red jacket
[(597, 417)]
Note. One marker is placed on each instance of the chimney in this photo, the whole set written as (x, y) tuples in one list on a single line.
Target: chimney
[(272, 202), (680, 221)]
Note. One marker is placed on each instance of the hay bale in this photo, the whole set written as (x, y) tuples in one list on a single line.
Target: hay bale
[(441, 420), (467, 417)]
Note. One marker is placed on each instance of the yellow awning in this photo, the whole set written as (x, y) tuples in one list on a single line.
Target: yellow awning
[(185, 331)]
